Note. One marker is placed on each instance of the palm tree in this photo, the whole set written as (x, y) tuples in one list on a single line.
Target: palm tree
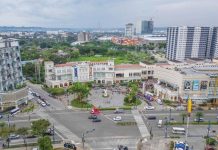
[(23, 132), (199, 115), (183, 115)]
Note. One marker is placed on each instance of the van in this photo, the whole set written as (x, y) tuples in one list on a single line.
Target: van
[(160, 122)]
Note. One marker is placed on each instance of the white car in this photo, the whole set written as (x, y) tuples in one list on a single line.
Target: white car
[(149, 107), (43, 104), (117, 118)]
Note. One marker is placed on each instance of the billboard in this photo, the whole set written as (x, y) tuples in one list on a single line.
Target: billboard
[(195, 86), (187, 85), (204, 85)]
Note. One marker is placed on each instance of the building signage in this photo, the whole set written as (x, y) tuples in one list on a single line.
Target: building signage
[(195, 86), (204, 85), (187, 85)]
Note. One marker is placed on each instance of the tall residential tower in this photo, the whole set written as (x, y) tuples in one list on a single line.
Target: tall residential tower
[(191, 42)]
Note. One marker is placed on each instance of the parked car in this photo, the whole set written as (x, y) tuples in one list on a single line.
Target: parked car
[(121, 147), (96, 120), (35, 148), (151, 117), (181, 146), (14, 136), (1, 116), (117, 118), (43, 104), (180, 108), (119, 111), (50, 131), (199, 119), (149, 107), (92, 117), (70, 146)]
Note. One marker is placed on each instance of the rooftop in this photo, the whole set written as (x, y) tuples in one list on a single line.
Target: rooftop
[(127, 66)]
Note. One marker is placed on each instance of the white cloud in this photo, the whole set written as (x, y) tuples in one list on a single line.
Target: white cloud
[(109, 13)]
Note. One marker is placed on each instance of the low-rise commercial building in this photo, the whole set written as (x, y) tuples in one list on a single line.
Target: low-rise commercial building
[(200, 83), (63, 75)]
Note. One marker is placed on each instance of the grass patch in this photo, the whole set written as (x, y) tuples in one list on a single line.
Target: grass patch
[(114, 108), (138, 102), (126, 123), (193, 123), (167, 102), (78, 104), (29, 108)]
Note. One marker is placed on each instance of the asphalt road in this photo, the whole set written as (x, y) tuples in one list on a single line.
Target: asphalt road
[(107, 134), (196, 132)]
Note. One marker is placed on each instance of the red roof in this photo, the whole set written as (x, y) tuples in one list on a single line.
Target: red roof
[(64, 65)]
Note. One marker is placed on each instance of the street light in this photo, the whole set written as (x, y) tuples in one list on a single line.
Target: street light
[(166, 127), (83, 136)]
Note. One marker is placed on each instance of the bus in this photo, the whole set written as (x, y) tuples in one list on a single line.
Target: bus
[(15, 111), (177, 130)]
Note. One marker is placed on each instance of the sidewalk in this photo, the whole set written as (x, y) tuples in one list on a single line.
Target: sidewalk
[(55, 146), (140, 123)]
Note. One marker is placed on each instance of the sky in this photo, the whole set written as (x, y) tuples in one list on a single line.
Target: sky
[(107, 13)]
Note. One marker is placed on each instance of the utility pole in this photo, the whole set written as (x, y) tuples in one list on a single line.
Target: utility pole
[(166, 127), (208, 129), (53, 133), (170, 115), (189, 110), (83, 137), (8, 121)]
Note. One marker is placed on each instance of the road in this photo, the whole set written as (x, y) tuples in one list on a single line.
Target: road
[(70, 125), (196, 132)]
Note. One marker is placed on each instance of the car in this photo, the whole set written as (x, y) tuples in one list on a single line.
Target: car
[(14, 136), (70, 146), (151, 117), (47, 103), (1, 116), (117, 118), (96, 120), (43, 104), (35, 148), (121, 147), (92, 117), (119, 111), (180, 108), (199, 119), (181, 146), (50, 131), (149, 107)]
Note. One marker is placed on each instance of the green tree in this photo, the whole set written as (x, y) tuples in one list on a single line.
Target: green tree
[(23, 132), (45, 143), (6, 131), (80, 89), (199, 115), (39, 127), (183, 115)]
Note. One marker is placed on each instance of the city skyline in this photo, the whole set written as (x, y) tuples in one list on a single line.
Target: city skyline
[(107, 14)]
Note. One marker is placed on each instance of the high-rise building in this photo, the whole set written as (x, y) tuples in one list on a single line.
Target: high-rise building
[(83, 37), (191, 42), (214, 43), (129, 30), (10, 65), (12, 90), (144, 27)]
